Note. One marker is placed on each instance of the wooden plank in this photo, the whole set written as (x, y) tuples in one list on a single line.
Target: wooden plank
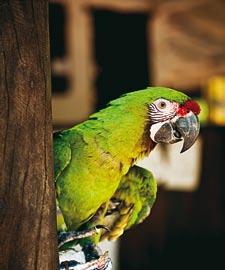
[(79, 102), (115, 5), (120, 6), (27, 200)]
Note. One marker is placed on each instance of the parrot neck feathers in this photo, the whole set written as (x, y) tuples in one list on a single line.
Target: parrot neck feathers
[(122, 131)]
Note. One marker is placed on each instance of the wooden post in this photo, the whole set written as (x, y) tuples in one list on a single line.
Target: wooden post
[(27, 199)]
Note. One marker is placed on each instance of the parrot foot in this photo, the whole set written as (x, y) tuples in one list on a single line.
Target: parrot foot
[(102, 263), (65, 237)]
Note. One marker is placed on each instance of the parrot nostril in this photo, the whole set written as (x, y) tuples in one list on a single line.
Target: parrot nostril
[(177, 134)]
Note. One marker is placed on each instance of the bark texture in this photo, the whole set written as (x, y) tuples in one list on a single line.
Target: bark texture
[(27, 199)]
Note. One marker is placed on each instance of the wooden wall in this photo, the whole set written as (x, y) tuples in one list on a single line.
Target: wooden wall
[(188, 43)]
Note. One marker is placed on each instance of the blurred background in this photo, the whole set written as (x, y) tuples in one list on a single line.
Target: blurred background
[(101, 49)]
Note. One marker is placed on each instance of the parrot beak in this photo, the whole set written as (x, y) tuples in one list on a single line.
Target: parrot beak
[(184, 128), (189, 128)]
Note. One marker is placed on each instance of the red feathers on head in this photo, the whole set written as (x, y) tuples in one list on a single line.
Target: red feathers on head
[(188, 106)]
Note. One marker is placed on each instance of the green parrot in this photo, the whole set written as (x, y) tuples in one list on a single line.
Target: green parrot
[(96, 176)]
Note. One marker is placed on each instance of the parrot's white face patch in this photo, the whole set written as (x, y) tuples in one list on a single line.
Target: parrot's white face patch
[(154, 128), (161, 110)]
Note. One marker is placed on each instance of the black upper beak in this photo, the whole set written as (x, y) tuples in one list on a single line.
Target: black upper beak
[(184, 128)]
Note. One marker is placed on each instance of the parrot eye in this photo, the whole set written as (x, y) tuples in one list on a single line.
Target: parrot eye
[(162, 105)]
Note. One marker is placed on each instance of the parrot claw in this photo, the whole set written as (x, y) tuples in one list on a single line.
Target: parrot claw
[(97, 227), (65, 237)]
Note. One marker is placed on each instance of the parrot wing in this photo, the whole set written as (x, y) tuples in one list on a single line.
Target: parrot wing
[(131, 203), (62, 154)]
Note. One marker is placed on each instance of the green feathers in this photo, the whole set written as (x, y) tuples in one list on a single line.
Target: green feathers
[(131, 203), (62, 151), (92, 158)]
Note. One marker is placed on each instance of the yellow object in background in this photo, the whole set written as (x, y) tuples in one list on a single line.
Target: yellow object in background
[(216, 100)]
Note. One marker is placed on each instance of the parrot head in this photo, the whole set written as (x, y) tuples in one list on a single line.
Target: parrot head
[(174, 120)]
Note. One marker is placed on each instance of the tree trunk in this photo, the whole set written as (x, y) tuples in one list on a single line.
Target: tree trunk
[(27, 199)]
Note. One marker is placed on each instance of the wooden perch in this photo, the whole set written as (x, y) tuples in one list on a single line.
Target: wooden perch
[(27, 199)]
